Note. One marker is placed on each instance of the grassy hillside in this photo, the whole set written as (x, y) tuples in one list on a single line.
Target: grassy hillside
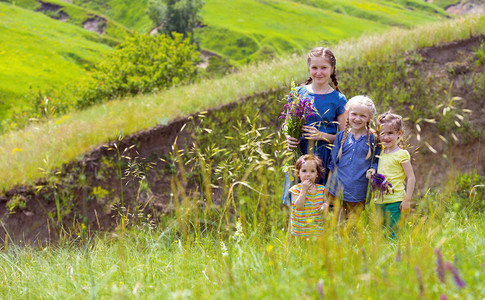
[(223, 240), (131, 14), (41, 52), (243, 31), (248, 30), (393, 13), (446, 3), (114, 32), (59, 141)]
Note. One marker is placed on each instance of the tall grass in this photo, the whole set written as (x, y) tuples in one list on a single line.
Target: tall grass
[(254, 259), (226, 237), (51, 144)]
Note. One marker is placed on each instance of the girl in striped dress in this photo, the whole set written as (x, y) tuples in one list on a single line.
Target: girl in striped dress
[(309, 203)]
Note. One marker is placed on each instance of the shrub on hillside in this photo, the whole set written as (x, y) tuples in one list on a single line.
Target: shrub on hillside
[(218, 67), (469, 192), (141, 64)]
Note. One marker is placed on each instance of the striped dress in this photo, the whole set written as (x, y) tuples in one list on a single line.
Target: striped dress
[(307, 221)]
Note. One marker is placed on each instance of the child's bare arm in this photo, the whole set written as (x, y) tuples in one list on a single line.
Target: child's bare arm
[(300, 200), (411, 181)]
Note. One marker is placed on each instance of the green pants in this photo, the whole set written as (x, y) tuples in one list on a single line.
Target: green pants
[(391, 214)]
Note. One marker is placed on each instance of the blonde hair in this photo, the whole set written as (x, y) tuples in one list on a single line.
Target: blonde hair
[(369, 104)]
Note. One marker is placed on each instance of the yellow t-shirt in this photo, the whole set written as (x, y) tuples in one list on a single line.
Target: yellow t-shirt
[(390, 166)]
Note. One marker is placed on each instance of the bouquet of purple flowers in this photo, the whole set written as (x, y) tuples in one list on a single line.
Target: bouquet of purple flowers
[(296, 113), (380, 185)]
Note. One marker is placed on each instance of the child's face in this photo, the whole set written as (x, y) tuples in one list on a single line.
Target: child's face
[(308, 171), (320, 70), (359, 117), (389, 135)]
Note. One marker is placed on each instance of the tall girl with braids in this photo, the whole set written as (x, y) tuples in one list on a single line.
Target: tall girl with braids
[(353, 159), (321, 128)]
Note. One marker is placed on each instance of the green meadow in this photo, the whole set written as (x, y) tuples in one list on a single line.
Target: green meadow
[(446, 3), (41, 53), (247, 30), (255, 260), (131, 14), (56, 142), (237, 246), (242, 31), (277, 27), (224, 235)]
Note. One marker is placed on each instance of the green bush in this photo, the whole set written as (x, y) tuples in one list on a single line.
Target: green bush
[(218, 66), (470, 192), (141, 64)]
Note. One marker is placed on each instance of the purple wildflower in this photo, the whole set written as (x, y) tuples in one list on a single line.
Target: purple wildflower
[(320, 288), (296, 112), (440, 266), (454, 271), (443, 297), (380, 185), (364, 264), (398, 255), (420, 281)]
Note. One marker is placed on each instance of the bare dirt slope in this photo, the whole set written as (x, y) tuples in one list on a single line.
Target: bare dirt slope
[(37, 221)]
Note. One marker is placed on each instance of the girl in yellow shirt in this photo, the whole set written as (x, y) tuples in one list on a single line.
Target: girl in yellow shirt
[(395, 165)]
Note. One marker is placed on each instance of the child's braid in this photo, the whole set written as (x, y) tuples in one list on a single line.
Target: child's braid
[(335, 81), (346, 133), (368, 140), (309, 80)]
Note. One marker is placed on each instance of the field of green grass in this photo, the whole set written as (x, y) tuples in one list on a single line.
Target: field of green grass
[(131, 14), (248, 30), (58, 141), (281, 27), (235, 245), (446, 3), (198, 253), (242, 31), (114, 31), (39, 52)]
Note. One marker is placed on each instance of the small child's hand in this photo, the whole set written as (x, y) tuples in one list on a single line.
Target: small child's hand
[(369, 173), (324, 207), (405, 206), (306, 184)]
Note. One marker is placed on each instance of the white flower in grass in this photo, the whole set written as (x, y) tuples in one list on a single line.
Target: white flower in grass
[(224, 249), (238, 236)]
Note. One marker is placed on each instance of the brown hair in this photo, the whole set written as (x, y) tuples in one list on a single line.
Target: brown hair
[(328, 54), (364, 101), (395, 121), (310, 157)]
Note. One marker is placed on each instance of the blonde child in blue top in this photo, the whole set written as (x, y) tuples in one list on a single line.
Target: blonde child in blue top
[(353, 159), (395, 165), (308, 201)]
